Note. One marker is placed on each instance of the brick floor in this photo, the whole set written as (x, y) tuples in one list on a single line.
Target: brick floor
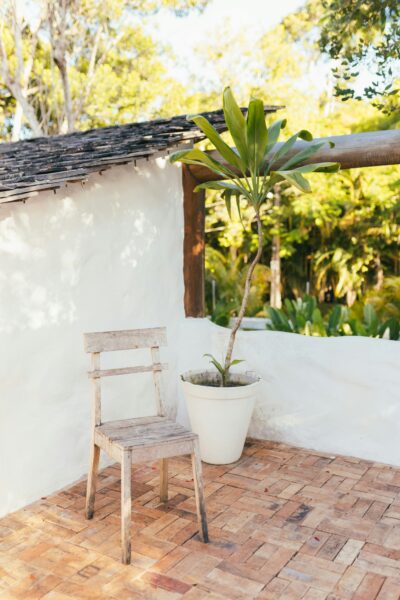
[(285, 523)]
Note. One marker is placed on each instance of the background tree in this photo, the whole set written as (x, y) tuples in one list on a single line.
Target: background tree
[(76, 64), (364, 36)]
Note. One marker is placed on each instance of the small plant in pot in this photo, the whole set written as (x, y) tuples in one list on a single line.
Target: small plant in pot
[(220, 403)]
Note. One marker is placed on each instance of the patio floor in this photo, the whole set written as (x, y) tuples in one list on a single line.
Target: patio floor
[(285, 523)]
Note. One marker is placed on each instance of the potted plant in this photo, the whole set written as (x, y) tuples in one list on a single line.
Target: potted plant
[(220, 403)]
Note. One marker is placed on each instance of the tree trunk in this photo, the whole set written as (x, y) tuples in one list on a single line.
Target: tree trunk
[(68, 125), (379, 273), (228, 358), (57, 13), (275, 264), (16, 77), (17, 123), (27, 109)]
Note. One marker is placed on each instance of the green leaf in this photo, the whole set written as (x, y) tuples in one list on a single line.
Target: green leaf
[(288, 145), (219, 186), (296, 179), (236, 361), (323, 167), (282, 150), (334, 319), (228, 199), (308, 151), (212, 134), (236, 124), (216, 364), (239, 209), (257, 134), (273, 134), (195, 156)]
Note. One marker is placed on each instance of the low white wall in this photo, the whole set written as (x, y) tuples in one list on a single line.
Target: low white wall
[(337, 395), (104, 256)]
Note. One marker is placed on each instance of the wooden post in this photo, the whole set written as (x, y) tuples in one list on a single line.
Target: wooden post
[(193, 245)]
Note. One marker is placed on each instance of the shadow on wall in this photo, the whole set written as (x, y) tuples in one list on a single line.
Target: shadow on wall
[(90, 258)]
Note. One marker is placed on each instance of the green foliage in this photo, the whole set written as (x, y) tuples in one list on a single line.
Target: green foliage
[(364, 34), (223, 370), (303, 316), (386, 299), (115, 66)]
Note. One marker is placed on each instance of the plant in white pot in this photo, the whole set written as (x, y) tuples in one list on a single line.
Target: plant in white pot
[(220, 403)]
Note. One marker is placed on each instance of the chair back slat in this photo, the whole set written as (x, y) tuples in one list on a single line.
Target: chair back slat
[(131, 339), (126, 370)]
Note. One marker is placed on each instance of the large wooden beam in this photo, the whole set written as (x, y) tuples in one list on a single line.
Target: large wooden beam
[(193, 245), (371, 149)]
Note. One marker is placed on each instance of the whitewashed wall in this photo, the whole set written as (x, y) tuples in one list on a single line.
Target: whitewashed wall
[(104, 256), (109, 256), (338, 395)]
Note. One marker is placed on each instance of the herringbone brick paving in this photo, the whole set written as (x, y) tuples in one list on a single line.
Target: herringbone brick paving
[(285, 523)]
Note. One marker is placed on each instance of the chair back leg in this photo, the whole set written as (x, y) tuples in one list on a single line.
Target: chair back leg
[(92, 480), (126, 506), (164, 480), (199, 493)]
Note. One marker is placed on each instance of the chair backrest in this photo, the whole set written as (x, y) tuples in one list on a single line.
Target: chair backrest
[(131, 339)]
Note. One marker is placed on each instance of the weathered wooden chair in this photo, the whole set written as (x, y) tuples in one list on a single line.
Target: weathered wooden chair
[(141, 439)]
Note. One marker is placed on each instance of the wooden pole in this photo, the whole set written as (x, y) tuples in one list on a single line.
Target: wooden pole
[(193, 245)]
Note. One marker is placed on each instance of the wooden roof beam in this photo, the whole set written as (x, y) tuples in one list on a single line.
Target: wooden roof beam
[(370, 149)]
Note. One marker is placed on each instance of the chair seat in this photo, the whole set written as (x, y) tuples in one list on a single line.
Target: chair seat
[(145, 431)]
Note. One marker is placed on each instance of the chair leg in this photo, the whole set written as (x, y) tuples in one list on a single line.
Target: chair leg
[(92, 480), (164, 480), (126, 507), (199, 493)]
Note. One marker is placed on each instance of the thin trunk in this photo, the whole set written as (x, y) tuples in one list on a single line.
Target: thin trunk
[(17, 80), (68, 125), (27, 109), (379, 273), (275, 264), (17, 123), (238, 321), (57, 20)]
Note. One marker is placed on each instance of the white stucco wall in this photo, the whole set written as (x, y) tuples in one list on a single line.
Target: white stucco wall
[(338, 395), (106, 255)]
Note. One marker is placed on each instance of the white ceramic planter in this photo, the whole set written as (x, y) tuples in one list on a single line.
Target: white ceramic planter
[(220, 415)]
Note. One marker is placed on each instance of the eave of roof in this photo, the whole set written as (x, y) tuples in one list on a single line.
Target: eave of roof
[(48, 163)]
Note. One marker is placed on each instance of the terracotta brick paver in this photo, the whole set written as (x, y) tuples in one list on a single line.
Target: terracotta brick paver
[(285, 524)]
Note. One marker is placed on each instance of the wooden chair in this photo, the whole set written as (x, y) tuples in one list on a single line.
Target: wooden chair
[(141, 439)]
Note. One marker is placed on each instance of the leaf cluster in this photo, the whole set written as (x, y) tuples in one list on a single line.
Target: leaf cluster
[(302, 315), (258, 162)]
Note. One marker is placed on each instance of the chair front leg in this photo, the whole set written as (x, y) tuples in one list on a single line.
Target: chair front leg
[(199, 492), (126, 506), (92, 480)]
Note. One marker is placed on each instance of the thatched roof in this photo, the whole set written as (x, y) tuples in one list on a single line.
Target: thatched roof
[(45, 163)]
